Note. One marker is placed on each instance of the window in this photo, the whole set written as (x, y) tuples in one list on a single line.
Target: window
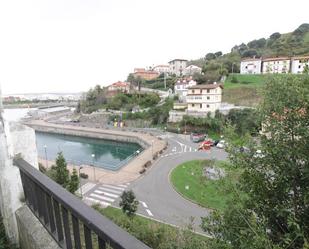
[(192, 105), (201, 106), (201, 91), (208, 97), (192, 91), (208, 91), (207, 106)]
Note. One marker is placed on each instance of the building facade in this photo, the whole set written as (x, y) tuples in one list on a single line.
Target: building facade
[(204, 98), (181, 87), (162, 69), (276, 65), (177, 66), (251, 66), (118, 87), (191, 70), (299, 64), (145, 74)]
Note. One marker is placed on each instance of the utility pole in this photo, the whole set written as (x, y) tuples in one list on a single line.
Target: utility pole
[(164, 80)]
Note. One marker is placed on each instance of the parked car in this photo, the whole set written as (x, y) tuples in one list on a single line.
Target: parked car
[(221, 145), (215, 143), (197, 137)]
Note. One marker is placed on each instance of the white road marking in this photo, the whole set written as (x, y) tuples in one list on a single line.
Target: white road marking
[(103, 203), (114, 187), (195, 149), (144, 204), (110, 190), (149, 212), (105, 193), (185, 150), (190, 149), (102, 197), (122, 185), (86, 187), (174, 149)]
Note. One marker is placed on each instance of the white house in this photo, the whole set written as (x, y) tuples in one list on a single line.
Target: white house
[(162, 69), (181, 87), (251, 66), (192, 69), (177, 66), (204, 98), (299, 63), (276, 65)]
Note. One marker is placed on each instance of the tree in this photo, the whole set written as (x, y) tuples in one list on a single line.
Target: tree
[(210, 56), (218, 54), (302, 29), (74, 182), (274, 211), (61, 171), (275, 36), (128, 203), (306, 69)]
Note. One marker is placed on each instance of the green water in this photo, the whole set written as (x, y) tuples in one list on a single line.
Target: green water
[(101, 153)]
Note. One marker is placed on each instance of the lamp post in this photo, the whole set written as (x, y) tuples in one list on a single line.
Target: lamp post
[(152, 147), (80, 185), (93, 155), (45, 149)]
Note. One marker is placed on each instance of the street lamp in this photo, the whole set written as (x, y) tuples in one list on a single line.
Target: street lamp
[(93, 155), (152, 147), (45, 149), (80, 184)]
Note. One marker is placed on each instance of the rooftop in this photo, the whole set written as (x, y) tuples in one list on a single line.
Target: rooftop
[(177, 60), (207, 86)]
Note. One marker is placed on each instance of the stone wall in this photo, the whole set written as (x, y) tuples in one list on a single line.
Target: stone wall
[(32, 234)]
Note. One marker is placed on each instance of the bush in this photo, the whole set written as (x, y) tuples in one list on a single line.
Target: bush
[(234, 79)]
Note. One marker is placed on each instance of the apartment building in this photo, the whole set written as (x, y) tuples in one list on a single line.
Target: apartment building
[(177, 66), (251, 66), (276, 65), (299, 64), (204, 98)]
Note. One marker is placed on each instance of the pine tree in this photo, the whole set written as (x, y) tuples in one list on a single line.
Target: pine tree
[(128, 203), (74, 182), (62, 173)]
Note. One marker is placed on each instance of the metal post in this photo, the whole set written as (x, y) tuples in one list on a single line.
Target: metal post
[(46, 162), (93, 155), (80, 185), (152, 147)]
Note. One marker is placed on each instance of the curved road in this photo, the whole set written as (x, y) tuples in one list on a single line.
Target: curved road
[(158, 198)]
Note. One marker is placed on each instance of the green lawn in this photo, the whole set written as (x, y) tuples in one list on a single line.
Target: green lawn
[(208, 193), (249, 80), (153, 233)]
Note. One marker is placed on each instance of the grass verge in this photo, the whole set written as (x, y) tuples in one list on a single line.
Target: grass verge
[(208, 193), (153, 233)]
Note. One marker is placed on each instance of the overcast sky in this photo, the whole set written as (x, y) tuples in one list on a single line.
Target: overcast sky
[(72, 45)]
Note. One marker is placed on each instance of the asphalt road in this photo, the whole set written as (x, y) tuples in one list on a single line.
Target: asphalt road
[(157, 197)]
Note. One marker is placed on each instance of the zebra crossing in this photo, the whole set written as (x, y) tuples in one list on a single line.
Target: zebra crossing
[(103, 194), (182, 148)]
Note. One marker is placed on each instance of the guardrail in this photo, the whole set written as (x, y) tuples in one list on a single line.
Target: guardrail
[(71, 222)]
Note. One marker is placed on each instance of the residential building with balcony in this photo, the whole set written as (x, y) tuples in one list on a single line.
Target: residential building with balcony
[(177, 66), (204, 98), (276, 65), (251, 66), (299, 64), (181, 87)]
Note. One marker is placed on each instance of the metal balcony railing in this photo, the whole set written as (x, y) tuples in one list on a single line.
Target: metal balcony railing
[(71, 222)]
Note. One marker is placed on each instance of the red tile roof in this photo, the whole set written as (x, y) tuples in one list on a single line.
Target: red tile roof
[(207, 86)]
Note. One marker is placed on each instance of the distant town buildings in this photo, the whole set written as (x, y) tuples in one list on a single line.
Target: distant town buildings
[(276, 65), (177, 66), (280, 65), (181, 87), (162, 69), (118, 87), (300, 63), (146, 74), (251, 66), (191, 70)]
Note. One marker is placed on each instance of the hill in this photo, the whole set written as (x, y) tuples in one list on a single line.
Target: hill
[(216, 64)]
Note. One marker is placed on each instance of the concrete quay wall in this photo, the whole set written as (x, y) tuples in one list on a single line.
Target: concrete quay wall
[(92, 134)]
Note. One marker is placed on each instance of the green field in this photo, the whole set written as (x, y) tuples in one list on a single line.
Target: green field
[(153, 233), (249, 80), (208, 193)]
